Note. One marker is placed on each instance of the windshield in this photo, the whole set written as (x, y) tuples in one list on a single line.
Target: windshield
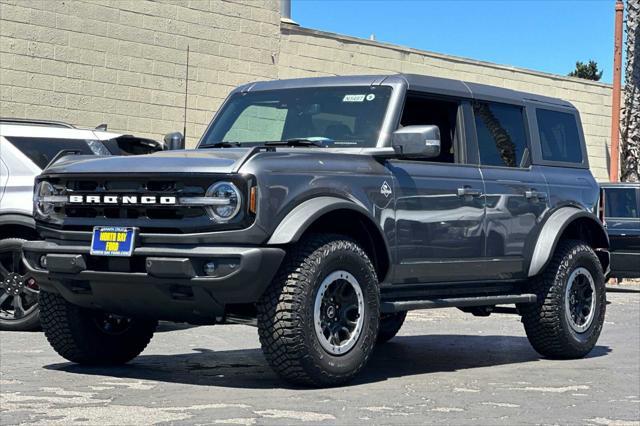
[(336, 116)]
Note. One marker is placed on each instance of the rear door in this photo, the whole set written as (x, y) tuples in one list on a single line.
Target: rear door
[(516, 193)]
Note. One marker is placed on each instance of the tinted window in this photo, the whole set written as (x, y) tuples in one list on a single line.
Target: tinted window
[(42, 150), (419, 110), (339, 116), (501, 134), (559, 136), (622, 202)]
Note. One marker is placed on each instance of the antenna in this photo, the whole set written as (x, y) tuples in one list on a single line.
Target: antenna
[(186, 93)]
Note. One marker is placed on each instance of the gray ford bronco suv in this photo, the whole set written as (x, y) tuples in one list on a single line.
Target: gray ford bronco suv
[(322, 210)]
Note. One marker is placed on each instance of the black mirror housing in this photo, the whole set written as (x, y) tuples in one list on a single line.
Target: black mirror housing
[(417, 141), (174, 141)]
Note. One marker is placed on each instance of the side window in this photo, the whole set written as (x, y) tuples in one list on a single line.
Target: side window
[(420, 110), (559, 136), (502, 139), (258, 122), (622, 202)]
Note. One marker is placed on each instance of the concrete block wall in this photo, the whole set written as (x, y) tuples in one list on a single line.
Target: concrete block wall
[(122, 62), (305, 52)]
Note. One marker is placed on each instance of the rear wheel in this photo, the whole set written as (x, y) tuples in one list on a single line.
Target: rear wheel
[(568, 316), (390, 324), (92, 337), (318, 321), (18, 290)]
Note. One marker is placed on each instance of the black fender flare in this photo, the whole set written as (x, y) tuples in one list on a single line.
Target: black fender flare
[(298, 220), (17, 219), (553, 229)]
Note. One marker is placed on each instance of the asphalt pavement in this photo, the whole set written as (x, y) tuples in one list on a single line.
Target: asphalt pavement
[(445, 367)]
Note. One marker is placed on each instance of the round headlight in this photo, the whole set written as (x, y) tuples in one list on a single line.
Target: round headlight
[(40, 206), (229, 198)]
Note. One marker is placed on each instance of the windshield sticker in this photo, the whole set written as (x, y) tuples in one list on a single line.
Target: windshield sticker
[(371, 97), (353, 98)]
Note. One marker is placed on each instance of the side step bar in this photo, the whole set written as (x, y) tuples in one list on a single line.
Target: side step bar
[(457, 302)]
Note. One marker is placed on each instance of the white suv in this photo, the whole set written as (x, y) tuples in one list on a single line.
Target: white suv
[(26, 148)]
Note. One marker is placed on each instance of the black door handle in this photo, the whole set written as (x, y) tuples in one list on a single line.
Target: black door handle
[(468, 191)]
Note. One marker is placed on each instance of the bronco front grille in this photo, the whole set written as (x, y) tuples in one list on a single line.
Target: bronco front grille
[(173, 219)]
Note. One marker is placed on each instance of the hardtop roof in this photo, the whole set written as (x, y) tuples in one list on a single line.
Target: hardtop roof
[(414, 82), (620, 184)]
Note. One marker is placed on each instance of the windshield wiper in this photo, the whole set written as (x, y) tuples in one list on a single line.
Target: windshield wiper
[(304, 142), (221, 145), (298, 142)]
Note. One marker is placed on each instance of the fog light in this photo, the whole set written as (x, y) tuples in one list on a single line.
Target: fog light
[(210, 268), (43, 261)]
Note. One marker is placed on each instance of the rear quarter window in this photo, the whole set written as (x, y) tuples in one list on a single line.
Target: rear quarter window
[(559, 136), (42, 150)]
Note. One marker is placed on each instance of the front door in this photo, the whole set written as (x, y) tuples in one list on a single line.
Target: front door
[(439, 221)]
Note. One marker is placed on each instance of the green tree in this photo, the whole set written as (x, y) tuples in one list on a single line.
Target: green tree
[(587, 71), (630, 125)]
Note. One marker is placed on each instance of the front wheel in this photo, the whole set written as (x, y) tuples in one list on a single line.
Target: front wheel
[(18, 290), (92, 337), (568, 316), (318, 321)]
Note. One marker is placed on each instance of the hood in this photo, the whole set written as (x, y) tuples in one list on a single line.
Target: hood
[(221, 160)]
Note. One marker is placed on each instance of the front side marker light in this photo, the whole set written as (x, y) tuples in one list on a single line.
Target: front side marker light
[(253, 199)]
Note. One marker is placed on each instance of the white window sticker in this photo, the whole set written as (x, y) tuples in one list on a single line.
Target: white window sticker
[(371, 97), (353, 98)]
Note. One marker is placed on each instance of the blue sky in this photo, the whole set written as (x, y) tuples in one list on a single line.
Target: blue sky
[(543, 35)]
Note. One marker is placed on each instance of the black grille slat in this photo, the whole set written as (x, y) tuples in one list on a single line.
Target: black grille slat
[(83, 185)]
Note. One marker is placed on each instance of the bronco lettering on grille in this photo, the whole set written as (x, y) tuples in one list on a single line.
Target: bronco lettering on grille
[(122, 199)]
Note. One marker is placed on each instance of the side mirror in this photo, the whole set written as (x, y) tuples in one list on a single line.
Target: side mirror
[(173, 141), (417, 141)]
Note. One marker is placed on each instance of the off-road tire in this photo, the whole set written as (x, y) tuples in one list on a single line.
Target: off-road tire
[(545, 322), (31, 321), (75, 335), (390, 324), (286, 312)]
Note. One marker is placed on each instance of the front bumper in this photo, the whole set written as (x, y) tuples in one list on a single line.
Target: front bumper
[(166, 283)]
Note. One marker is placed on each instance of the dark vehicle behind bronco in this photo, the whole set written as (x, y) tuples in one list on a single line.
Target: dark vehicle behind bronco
[(622, 220), (323, 210)]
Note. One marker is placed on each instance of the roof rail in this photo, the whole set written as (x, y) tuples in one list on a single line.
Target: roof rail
[(32, 122)]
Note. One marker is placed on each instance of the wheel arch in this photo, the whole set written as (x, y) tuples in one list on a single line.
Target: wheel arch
[(335, 215), (568, 223), (17, 226)]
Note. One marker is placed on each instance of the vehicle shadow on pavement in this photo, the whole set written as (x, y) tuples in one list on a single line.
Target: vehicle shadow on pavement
[(403, 356), (165, 326)]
